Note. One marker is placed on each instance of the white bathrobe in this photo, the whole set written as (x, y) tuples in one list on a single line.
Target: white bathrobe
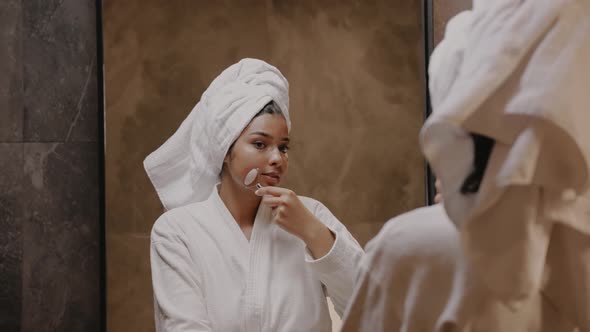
[(414, 277), (208, 277), (522, 80), (515, 256)]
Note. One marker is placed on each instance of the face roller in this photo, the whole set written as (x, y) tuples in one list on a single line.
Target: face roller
[(251, 178)]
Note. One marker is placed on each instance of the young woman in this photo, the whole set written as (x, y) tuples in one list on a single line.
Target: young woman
[(227, 256)]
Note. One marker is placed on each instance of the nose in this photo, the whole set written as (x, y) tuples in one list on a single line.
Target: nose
[(276, 158)]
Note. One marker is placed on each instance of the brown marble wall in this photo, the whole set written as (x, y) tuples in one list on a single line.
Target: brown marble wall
[(356, 105), (49, 153)]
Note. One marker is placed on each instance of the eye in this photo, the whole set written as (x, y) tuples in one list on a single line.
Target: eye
[(284, 148), (259, 145)]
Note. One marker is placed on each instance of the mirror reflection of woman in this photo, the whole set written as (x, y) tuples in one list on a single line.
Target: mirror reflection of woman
[(229, 257)]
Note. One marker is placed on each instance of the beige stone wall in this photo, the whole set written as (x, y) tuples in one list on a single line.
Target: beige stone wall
[(356, 105)]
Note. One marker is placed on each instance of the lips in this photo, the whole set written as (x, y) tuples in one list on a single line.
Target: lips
[(273, 177)]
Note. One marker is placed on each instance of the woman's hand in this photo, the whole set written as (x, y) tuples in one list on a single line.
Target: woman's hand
[(438, 196), (291, 215)]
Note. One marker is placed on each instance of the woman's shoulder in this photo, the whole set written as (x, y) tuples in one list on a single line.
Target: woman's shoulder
[(322, 212), (311, 203), (308, 200), (425, 229), (175, 221), (415, 221)]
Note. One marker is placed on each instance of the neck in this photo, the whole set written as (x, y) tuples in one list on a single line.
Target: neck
[(241, 202)]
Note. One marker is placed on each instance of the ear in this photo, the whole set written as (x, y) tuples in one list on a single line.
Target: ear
[(227, 158), (228, 154)]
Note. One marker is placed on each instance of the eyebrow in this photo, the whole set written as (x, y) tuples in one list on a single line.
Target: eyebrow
[(261, 133)]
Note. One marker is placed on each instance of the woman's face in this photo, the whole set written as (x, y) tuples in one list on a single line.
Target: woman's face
[(263, 145)]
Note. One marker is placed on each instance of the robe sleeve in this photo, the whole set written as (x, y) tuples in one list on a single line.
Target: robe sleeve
[(336, 270), (177, 284)]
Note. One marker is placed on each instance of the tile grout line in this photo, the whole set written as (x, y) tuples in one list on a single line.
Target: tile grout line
[(22, 69), (22, 175)]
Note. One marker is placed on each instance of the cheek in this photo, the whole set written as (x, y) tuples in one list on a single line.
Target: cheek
[(246, 159)]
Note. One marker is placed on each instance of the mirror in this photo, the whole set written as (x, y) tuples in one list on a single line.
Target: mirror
[(357, 102)]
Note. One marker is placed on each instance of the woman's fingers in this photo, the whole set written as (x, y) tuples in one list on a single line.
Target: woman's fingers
[(272, 200), (273, 191), (437, 198), (279, 216), (288, 211)]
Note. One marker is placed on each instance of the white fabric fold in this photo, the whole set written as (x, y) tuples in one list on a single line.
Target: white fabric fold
[(187, 166), (515, 71), (522, 69), (414, 278)]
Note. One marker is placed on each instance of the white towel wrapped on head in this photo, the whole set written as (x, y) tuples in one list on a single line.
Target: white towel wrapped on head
[(187, 166)]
